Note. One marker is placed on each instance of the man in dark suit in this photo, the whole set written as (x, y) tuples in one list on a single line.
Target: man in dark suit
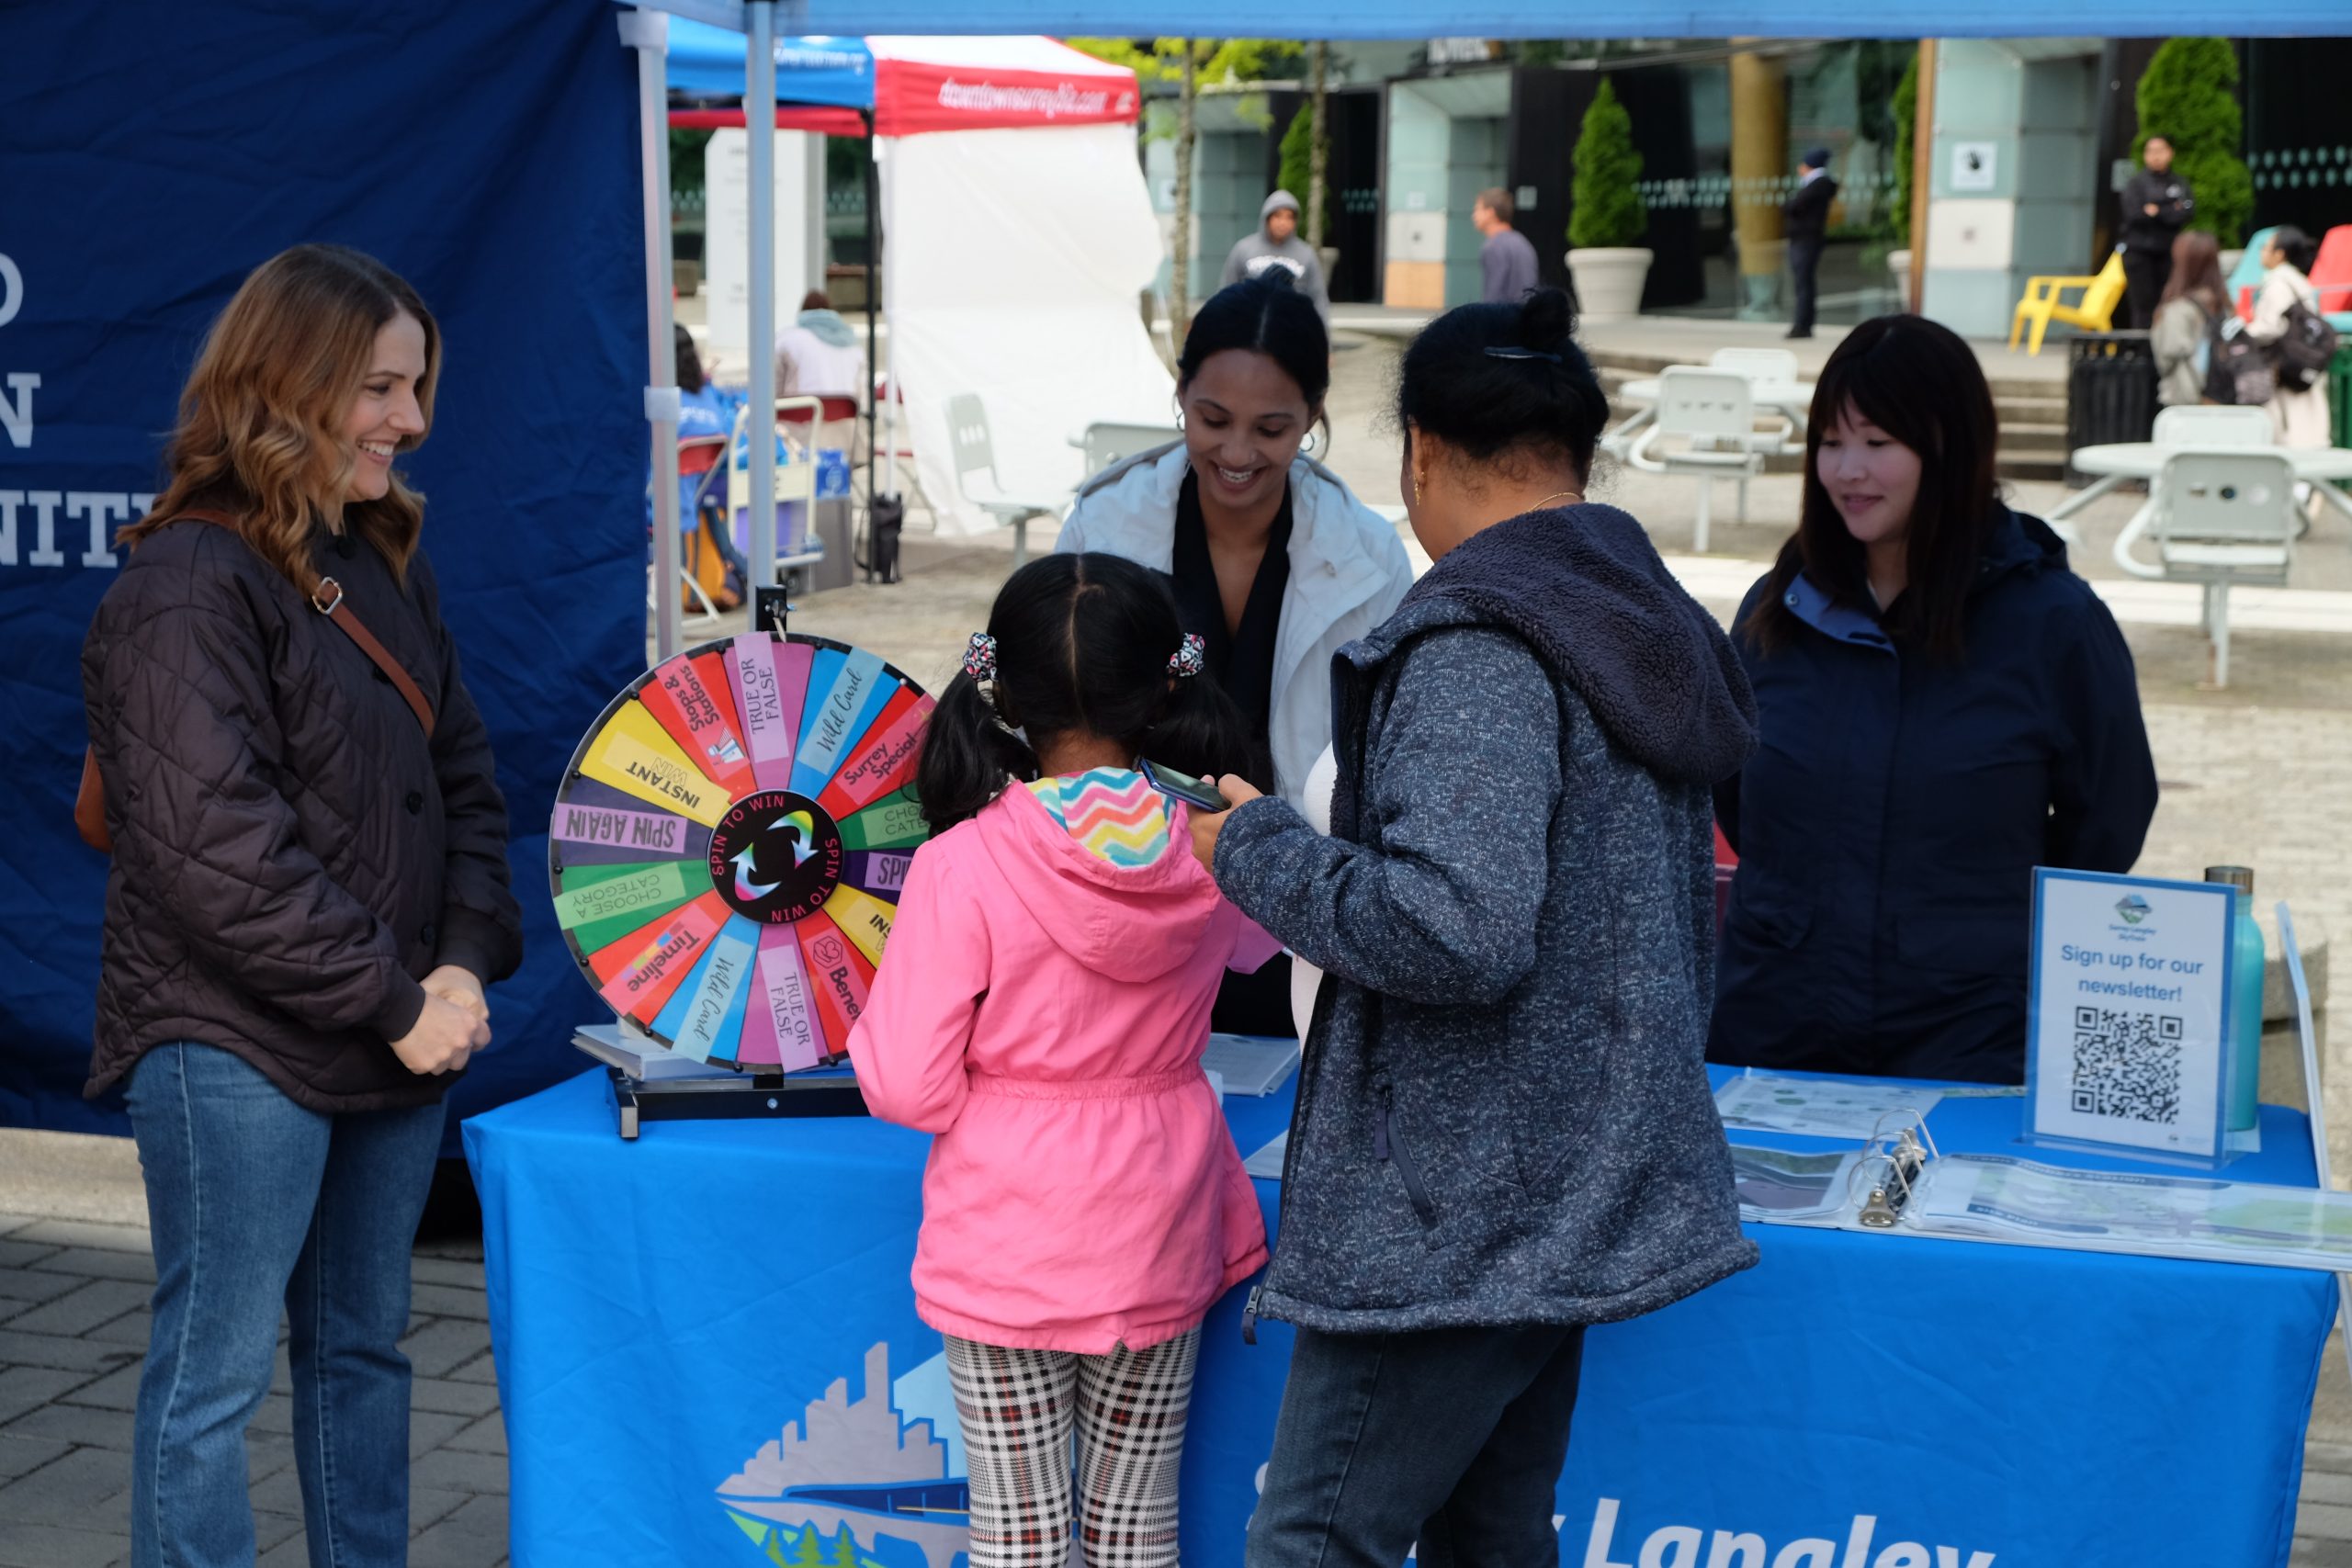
[(1804, 218)]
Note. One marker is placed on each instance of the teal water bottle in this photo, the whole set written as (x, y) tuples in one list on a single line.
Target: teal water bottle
[(2241, 1012)]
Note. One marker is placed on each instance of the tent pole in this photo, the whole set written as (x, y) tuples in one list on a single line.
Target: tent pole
[(890, 352), (873, 343), (759, 116), (647, 32)]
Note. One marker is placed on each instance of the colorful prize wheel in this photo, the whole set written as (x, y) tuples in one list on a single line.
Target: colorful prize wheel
[(730, 841)]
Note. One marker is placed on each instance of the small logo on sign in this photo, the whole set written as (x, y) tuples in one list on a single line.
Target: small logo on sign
[(2133, 908)]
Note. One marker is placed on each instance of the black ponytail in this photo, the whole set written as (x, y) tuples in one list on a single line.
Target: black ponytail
[(1082, 646), (967, 756), (1496, 380)]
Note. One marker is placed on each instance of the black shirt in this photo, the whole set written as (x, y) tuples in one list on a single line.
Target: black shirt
[(1241, 661), (1805, 215), (2169, 195)]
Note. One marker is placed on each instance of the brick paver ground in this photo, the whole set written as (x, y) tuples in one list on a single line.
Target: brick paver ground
[(72, 1328)]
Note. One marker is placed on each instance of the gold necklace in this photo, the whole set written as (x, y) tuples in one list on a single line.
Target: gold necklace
[(1573, 495)]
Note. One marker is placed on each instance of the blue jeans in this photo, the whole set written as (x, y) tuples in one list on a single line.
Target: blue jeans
[(253, 1202), (1451, 1436)]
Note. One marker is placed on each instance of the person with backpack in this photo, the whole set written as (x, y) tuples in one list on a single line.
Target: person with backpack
[(2194, 302), (2300, 342), (1042, 1012), (308, 894)]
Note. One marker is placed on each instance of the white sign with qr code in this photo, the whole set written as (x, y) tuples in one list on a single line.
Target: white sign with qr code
[(2124, 1039)]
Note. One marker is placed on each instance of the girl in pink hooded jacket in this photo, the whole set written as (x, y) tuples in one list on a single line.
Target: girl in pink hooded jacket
[(1042, 1010)]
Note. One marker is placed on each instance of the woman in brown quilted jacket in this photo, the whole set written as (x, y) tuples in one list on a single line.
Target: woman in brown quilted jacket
[(309, 894)]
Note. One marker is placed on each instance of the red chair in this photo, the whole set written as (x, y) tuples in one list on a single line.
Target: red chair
[(2331, 273), (700, 458)]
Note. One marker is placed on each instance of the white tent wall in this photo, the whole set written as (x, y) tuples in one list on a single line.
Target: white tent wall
[(1013, 262), (726, 231)]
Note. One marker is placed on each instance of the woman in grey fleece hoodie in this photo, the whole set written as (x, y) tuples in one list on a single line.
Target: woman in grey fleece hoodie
[(1504, 1130)]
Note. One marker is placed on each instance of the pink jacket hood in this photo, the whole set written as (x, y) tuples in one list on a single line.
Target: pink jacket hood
[(1130, 923)]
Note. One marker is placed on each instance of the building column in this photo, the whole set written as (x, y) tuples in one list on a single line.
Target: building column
[(1759, 163)]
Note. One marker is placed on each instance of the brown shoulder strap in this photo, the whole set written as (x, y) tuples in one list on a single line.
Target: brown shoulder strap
[(338, 612), (326, 598)]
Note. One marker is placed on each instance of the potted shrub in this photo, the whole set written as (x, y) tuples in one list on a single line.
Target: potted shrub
[(1608, 215)]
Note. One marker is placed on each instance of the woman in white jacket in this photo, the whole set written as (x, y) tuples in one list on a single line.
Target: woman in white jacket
[(1274, 562), (2300, 415)]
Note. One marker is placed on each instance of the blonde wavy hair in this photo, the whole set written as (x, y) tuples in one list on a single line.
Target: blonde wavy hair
[(260, 433)]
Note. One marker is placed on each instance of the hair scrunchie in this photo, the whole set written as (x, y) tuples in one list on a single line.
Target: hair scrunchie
[(979, 657), (1190, 658)]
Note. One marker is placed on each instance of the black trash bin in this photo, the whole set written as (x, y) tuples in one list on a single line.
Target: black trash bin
[(2110, 392)]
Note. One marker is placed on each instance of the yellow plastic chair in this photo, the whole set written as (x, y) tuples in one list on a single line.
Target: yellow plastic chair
[(2043, 302)]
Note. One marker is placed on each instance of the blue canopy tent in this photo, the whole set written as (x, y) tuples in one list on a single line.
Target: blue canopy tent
[(895, 85), (708, 61), (827, 73)]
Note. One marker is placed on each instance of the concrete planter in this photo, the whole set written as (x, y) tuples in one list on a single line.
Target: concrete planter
[(1609, 280)]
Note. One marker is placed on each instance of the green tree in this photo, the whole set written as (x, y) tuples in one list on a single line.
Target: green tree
[(686, 149), (1608, 208), (1298, 167), (2189, 97), (806, 1553), (844, 1551), (1906, 132), (1188, 61)]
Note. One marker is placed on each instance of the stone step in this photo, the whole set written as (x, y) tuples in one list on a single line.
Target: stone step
[(2030, 465), (2046, 410), (2029, 436)]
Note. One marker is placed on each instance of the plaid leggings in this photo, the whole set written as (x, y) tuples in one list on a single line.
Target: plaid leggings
[(1018, 1408)]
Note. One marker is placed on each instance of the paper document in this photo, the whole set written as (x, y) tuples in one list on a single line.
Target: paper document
[(1774, 1184), (1250, 1063), (1267, 1163), (1821, 1107), (2003, 1197)]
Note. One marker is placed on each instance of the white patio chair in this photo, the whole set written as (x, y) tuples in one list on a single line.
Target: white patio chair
[(2213, 424), (2221, 518), (1758, 364), (1775, 367), (1715, 412), (975, 462), (1108, 442)]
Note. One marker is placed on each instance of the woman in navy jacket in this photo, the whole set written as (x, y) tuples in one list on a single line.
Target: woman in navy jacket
[(1942, 707)]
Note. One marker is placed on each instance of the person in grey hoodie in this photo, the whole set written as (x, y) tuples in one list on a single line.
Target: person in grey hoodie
[(1504, 1130), (1275, 243)]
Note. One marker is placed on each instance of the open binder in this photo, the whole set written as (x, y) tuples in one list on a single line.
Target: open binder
[(1899, 1182)]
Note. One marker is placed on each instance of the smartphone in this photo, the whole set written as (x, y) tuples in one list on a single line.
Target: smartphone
[(1183, 787)]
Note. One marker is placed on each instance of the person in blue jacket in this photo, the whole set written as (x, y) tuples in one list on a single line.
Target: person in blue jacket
[(1942, 707)]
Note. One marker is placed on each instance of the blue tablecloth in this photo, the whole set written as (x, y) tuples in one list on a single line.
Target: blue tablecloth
[(708, 1353)]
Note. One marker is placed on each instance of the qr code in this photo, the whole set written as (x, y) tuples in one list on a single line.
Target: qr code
[(2126, 1064)]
